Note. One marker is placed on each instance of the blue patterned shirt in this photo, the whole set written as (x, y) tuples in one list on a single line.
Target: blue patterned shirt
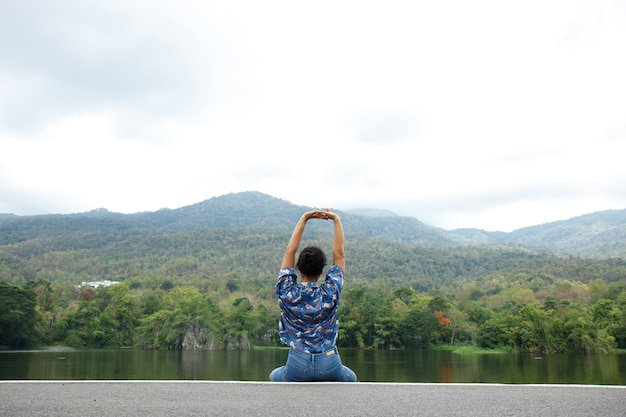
[(308, 311)]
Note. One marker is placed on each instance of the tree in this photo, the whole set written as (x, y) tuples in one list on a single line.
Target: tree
[(119, 309), (620, 324), (19, 324), (534, 330), (240, 324), (232, 285), (267, 327), (186, 320), (359, 309), (46, 305), (82, 327), (583, 335), (104, 318), (459, 326), (418, 327), (387, 333), (494, 333)]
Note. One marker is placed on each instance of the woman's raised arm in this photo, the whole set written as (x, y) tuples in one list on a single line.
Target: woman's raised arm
[(339, 255), (289, 259)]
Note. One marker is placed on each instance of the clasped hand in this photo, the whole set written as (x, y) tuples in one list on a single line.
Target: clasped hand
[(319, 214)]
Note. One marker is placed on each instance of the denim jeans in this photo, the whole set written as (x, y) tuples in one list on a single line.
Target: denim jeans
[(306, 367)]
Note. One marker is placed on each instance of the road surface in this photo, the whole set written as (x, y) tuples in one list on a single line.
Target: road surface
[(208, 398)]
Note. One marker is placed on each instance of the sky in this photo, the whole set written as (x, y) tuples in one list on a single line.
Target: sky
[(485, 114)]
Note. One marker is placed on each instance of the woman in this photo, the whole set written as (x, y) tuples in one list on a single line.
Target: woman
[(308, 310)]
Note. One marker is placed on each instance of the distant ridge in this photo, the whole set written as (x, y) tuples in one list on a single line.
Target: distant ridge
[(372, 212), (244, 209), (597, 235), (600, 234)]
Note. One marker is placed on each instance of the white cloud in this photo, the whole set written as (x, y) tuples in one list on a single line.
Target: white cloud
[(483, 114)]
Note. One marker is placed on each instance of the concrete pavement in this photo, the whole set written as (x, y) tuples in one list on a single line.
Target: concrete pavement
[(208, 398)]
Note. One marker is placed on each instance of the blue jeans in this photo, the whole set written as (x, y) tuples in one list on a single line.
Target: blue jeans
[(306, 367)]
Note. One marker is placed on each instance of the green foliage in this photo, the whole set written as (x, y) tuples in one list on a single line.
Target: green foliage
[(418, 327), (203, 277), (19, 321), (600, 235), (187, 320), (104, 318)]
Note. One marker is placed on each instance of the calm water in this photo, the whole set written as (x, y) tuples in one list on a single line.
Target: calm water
[(370, 365)]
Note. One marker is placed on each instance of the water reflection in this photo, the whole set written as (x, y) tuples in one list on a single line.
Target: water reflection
[(370, 365), (447, 366)]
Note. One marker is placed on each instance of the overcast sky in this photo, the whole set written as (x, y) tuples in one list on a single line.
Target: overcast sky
[(488, 114)]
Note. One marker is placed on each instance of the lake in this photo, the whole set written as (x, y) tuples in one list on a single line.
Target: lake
[(442, 366)]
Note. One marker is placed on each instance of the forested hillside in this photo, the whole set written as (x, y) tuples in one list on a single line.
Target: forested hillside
[(201, 277), (598, 235)]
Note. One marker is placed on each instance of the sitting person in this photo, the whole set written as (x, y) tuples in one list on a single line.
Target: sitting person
[(308, 310)]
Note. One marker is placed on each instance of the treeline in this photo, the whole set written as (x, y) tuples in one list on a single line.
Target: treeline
[(490, 313), (116, 316), (218, 254), (214, 289), (521, 313), (597, 235)]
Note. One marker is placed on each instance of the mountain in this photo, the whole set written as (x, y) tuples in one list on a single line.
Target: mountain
[(599, 235), (239, 210), (6, 217), (372, 212), (241, 238), (252, 209), (236, 210)]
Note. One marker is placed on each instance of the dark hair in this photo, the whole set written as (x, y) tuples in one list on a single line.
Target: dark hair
[(311, 261)]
